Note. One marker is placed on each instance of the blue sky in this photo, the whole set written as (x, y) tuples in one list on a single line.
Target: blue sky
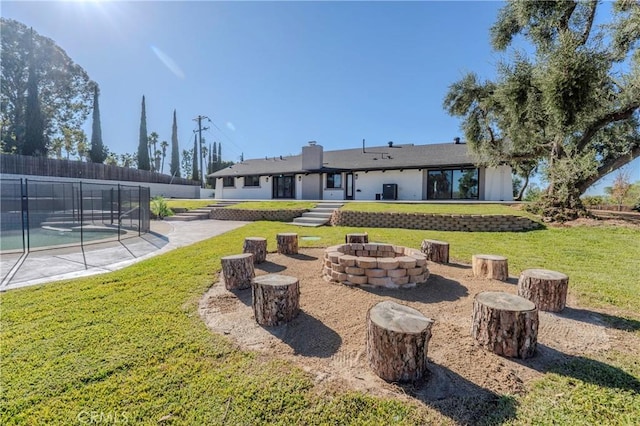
[(273, 75)]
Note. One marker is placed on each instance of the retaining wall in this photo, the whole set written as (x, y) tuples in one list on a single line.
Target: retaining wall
[(224, 213), (436, 222)]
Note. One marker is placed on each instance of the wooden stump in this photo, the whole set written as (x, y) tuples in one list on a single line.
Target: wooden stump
[(256, 246), (436, 251), (238, 271), (287, 243), (547, 289), (356, 238), (505, 324), (490, 266), (276, 299), (397, 341)]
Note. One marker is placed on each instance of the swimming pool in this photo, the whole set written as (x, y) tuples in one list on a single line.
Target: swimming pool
[(40, 237)]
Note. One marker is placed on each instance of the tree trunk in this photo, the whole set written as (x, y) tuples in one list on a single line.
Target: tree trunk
[(276, 299), (238, 271), (397, 341), (547, 289), (436, 251), (505, 324), (490, 266), (256, 246), (356, 238), (287, 243)]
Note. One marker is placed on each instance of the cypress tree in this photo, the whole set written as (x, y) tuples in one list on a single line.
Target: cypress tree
[(98, 153), (34, 138), (220, 154), (143, 153), (175, 149), (196, 173)]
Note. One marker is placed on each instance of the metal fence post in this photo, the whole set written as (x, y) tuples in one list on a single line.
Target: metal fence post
[(81, 217), (119, 211), (139, 209)]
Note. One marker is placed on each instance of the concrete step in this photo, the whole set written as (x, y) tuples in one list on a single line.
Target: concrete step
[(181, 218), (197, 214), (310, 220), (329, 205), (320, 215), (322, 210)]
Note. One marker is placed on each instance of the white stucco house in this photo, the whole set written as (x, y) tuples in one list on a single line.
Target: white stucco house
[(392, 172)]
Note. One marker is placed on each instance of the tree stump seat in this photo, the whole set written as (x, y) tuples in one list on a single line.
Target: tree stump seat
[(287, 243), (256, 246), (237, 271), (436, 251), (490, 266), (505, 324), (362, 238), (276, 299), (397, 341), (547, 289)]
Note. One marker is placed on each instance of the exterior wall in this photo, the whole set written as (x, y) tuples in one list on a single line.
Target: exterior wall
[(409, 182), (161, 189), (241, 192), (310, 187), (498, 184)]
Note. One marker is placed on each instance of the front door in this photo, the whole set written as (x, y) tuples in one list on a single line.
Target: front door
[(349, 187), (283, 186)]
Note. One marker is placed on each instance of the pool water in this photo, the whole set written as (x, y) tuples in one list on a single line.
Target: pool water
[(38, 237)]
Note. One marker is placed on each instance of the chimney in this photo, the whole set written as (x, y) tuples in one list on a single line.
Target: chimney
[(312, 156), (456, 140), (390, 144)]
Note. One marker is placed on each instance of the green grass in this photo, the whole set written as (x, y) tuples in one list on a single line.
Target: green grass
[(273, 205), (189, 204), (131, 342), (437, 208)]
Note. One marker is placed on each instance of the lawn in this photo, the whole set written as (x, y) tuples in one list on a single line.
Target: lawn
[(437, 208), (273, 205), (129, 345), (189, 204)]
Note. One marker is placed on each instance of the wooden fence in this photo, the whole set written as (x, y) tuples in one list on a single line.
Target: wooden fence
[(41, 166)]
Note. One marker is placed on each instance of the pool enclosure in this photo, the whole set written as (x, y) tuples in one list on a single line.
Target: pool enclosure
[(37, 214)]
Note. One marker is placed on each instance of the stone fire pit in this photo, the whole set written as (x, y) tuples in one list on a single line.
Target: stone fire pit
[(375, 264)]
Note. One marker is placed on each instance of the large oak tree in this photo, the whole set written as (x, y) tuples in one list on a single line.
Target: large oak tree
[(569, 109)]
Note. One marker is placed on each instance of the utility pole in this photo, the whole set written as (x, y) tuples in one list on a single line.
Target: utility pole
[(199, 147)]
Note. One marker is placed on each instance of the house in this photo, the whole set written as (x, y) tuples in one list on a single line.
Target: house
[(392, 172)]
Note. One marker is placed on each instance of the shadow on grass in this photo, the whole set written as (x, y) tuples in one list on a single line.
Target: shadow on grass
[(459, 399), (307, 336), (600, 319), (436, 289), (549, 360)]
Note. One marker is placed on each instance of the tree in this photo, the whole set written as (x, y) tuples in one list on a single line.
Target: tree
[(187, 161), (619, 191), (572, 110), (196, 160), (128, 160), (98, 152), (163, 145), (112, 159), (34, 137), (64, 88), (175, 148), (143, 154), (152, 142)]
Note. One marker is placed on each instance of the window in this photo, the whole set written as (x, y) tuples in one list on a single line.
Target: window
[(252, 181), (459, 184), (228, 181), (334, 180)]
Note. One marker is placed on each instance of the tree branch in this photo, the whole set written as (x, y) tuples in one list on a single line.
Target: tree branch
[(564, 19), (589, 24), (619, 115), (608, 167)]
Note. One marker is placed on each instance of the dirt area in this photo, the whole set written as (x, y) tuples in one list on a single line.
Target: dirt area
[(327, 338)]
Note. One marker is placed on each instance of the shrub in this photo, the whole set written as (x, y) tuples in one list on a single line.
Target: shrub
[(159, 208)]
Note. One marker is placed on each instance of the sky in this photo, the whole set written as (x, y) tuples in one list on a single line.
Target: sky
[(272, 76)]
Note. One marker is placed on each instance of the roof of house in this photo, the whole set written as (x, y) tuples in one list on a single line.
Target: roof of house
[(373, 158)]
